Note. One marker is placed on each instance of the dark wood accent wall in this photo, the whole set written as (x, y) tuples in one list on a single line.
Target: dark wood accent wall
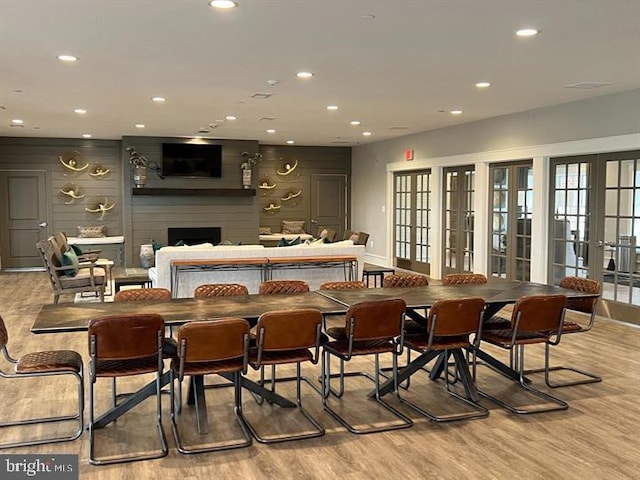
[(17, 153), (311, 160), (147, 217)]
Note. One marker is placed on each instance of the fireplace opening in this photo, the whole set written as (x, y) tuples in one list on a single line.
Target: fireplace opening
[(193, 235)]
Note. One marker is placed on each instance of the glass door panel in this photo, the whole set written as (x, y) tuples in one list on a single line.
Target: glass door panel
[(458, 215)]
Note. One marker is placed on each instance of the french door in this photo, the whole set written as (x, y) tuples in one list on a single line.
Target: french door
[(595, 225), (411, 219), (511, 193), (458, 219)]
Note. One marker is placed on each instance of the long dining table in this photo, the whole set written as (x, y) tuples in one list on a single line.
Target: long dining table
[(497, 294), (75, 317)]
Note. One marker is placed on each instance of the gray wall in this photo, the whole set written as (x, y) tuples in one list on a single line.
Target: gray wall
[(42, 154), (608, 115), (311, 160), (148, 217)]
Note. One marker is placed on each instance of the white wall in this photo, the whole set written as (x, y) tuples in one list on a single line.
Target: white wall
[(602, 124)]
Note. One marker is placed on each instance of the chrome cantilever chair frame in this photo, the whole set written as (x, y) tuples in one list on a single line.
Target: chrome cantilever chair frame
[(44, 364)]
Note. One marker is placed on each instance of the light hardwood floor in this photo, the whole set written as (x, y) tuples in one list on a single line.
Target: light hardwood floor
[(597, 438)]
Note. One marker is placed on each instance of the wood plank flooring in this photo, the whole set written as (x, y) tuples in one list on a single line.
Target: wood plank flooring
[(597, 438)]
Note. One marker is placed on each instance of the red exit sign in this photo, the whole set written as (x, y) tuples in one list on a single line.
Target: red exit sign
[(408, 154)]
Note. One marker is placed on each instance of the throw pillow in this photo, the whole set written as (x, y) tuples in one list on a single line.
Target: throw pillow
[(264, 230), (293, 226), (92, 232), (76, 249), (284, 243), (69, 258)]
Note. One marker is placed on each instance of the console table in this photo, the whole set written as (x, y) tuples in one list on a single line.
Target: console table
[(114, 243)]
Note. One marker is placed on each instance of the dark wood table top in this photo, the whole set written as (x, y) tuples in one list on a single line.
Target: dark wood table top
[(75, 317), (500, 293)]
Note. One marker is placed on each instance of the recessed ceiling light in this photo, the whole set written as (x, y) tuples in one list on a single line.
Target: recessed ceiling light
[(483, 84), (17, 121), (223, 4), (527, 32), (304, 74), (140, 125), (354, 122), (80, 111), (231, 117), (86, 135), (332, 107), (367, 134), (290, 142), (158, 99), (456, 112), (271, 130), (67, 58)]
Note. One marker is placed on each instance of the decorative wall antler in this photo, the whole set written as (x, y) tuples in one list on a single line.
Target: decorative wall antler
[(101, 207), (72, 193)]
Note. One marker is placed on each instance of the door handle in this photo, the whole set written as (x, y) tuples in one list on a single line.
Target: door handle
[(315, 222), (43, 224)]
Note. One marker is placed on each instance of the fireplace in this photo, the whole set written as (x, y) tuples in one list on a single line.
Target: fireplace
[(193, 235)]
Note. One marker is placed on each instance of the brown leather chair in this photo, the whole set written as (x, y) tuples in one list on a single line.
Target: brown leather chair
[(404, 280), (142, 295), (275, 287), (286, 337), (220, 290), (371, 328), (346, 285), (464, 279), (206, 348), (42, 364), (86, 278), (535, 319), (126, 345), (585, 307), (449, 324)]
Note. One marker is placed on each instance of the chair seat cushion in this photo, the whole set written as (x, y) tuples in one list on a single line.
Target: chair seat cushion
[(123, 368), (571, 327), (280, 358), (207, 368), (421, 341), (50, 361), (503, 338), (83, 278), (361, 347), (496, 323)]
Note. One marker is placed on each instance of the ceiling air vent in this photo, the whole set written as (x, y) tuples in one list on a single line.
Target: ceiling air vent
[(587, 85), (261, 96)]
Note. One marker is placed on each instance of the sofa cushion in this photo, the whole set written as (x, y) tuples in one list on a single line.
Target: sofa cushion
[(293, 226), (283, 242), (92, 231)]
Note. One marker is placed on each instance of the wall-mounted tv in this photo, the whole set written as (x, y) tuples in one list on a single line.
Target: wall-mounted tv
[(191, 160)]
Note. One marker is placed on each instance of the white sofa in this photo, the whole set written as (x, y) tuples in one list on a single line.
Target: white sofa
[(161, 275)]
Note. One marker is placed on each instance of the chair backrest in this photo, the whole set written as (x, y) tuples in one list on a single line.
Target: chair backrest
[(375, 319), (61, 240), (539, 313), (405, 280), (4, 334), (283, 330), (126, 337), (347, 285), (213, 340), (220, 290), (464, 279), (276, 287), (585, 305), (455, 317), (47, 250), (142, 294)]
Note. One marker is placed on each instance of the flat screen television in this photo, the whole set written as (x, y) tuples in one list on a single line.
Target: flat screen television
[(191, 160)]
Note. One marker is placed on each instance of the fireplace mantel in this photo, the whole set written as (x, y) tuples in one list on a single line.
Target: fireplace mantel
[(196, 192)]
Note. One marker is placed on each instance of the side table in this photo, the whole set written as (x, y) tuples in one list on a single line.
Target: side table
[(375, 271), (130, 276)]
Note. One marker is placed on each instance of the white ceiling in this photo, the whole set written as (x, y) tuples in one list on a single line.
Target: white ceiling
[(408, 67)]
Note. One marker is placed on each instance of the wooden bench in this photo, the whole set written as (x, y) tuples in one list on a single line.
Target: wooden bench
[(203, 265)]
